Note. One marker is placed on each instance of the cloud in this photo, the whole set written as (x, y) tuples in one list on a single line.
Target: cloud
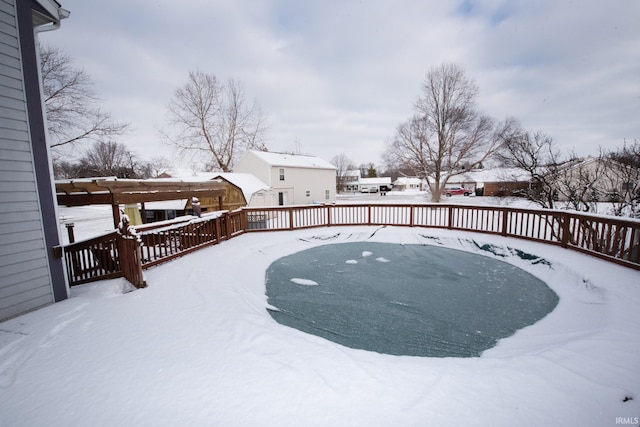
[(338, 76)]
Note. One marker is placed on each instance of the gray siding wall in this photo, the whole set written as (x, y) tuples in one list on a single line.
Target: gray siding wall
[(25, 281)]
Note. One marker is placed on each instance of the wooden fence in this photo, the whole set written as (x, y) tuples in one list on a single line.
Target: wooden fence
[(610, 238)]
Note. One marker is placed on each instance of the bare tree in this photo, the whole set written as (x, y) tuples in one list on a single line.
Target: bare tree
[(72, 110), (157, 166), (536, 154), (108, 159), (343, 165), (447, 135), (622, 179), (580, 182), (214, 120)]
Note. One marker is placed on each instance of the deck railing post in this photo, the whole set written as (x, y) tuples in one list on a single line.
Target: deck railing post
[(328, 215), (450, 217), (290, 218), (505, 221), (228, 227), (217, 229), (564, 217), (130, 256)]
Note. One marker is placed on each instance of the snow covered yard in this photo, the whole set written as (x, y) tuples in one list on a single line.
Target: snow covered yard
[(199, 347)]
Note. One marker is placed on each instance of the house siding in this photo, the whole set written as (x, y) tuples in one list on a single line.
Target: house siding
[(250, 163), (297, 180), (27, 269)]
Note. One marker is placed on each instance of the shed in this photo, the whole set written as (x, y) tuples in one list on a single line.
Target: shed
[(255, 192)]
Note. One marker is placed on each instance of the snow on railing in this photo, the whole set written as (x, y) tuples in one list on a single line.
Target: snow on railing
[(610, 238)]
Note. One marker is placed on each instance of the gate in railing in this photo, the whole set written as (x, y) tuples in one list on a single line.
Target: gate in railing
[(610, 238)]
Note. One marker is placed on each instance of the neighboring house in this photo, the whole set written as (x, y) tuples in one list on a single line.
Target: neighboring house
[(602, 179), (374, 185), (30, 275), (404, 183), (493, 182), (350, 181), (294, 179)]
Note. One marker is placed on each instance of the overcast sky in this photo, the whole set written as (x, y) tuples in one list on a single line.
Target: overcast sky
[(339, 76)]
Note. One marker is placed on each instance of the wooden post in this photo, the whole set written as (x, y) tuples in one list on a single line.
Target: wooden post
[(69, 226), (505, 221), (143, 213), (564, 217), (290, 218), (328, 216), (227, 225), (218, 229), (115, 209), (450, 218), (411, 216), (130, 256)]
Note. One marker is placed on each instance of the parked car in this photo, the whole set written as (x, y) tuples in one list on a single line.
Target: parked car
[(457, 190), (369, 190)]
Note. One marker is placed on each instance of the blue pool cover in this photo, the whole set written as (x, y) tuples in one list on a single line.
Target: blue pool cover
[(415, 300)]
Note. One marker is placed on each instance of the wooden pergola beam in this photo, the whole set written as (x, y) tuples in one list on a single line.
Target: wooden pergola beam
[(114, 192), (84, 199)]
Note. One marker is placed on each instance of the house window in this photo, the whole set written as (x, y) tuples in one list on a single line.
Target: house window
[(327, 194), (308, 193), (281, 174)]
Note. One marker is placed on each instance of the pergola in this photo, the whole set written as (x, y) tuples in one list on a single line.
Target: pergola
[(114, 192)]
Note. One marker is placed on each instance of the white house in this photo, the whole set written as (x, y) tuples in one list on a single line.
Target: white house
[(404, 183), (294, 179), (350, 180), (373, 185), (31, 275)]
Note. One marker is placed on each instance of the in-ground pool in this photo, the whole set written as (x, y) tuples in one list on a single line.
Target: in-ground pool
[(415, 300)]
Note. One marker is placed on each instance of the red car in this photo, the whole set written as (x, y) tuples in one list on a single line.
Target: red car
[(457, 190)]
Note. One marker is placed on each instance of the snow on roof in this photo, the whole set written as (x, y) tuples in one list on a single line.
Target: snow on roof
[(380, 180), (189, 175), (408, 180), (166, 205), (492, 175), (292, 160), (248, 183)]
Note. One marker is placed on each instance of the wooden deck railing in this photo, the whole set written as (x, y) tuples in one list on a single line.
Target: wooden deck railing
[(610, 238), (93, 259)]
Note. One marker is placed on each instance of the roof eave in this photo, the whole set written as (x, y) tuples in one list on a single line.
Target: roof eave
[(51, 13)]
